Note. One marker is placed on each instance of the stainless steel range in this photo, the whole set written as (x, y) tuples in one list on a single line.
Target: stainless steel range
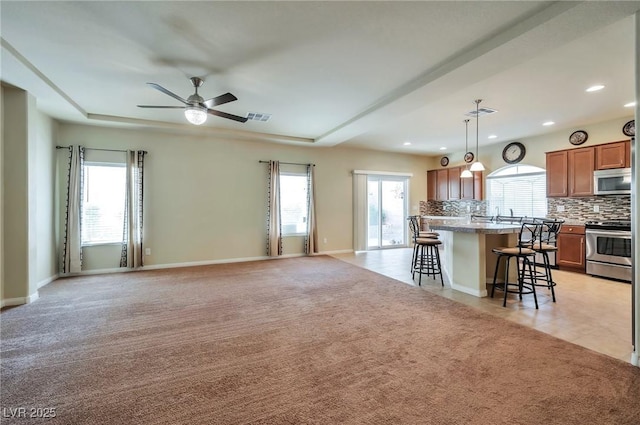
[(609, 249)]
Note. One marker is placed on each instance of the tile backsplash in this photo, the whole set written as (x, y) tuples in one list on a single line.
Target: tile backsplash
[(615, 207)]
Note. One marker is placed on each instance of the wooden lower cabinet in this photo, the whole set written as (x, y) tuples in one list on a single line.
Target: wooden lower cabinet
[(571, 248)]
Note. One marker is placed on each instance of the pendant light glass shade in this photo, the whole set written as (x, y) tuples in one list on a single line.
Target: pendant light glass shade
[(477, 166), (466, 173)]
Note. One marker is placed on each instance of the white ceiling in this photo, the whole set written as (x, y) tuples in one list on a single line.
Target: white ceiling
[(369, 74)]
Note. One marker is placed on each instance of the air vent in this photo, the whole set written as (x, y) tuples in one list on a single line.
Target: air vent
[(481, 111), (255, 116)]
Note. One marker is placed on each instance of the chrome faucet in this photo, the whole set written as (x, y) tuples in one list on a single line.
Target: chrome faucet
[(497, 211), (511, 211)]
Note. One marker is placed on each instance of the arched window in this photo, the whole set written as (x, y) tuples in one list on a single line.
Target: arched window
[(519, 189)]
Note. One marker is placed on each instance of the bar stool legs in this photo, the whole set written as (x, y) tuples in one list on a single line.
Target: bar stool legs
[(427, 260), (522, 287)]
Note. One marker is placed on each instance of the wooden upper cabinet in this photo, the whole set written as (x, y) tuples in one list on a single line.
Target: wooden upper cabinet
[(613, 155), (446, 184), (477, 186), (432, 185), (454, 183), (442, 181), (471, 188), (557, 174), (580, 163)]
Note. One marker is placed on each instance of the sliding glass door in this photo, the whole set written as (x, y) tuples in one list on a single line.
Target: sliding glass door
[(387, 211)]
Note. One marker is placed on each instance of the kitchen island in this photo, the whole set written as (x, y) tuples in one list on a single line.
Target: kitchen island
[(467, 259)]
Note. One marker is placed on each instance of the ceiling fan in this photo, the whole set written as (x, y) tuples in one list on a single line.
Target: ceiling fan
[(196, 108)]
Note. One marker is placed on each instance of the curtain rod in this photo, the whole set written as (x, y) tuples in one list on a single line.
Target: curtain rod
[(289, 163), (97, 149)]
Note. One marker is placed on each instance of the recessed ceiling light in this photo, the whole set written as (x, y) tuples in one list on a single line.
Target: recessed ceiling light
[(443, 148), (548, 123), (493, 136), (630, 105), (595, 88), (407, 143)]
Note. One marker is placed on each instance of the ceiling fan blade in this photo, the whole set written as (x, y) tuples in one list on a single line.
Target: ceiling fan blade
[(228, 116), (167, 92), (219, 100), (163, 107)]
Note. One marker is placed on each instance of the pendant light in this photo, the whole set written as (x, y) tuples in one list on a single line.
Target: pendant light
[(477, 165), (466, 173)]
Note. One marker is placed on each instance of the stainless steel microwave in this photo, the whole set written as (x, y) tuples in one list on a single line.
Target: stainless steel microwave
[(612, 182)]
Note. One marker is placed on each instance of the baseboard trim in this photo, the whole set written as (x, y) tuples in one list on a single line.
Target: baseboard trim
[(10, 302), (339, 251), (204, 263), (192, 264), (47, 280), (467, 290), (634, 359)]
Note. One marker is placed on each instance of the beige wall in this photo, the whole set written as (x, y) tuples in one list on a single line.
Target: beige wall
[(28, 250), (2, 205), (491, 156), (205, 198)]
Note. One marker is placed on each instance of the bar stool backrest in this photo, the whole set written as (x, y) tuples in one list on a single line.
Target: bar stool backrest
[(529, 234), (414, 226), (549, 231)]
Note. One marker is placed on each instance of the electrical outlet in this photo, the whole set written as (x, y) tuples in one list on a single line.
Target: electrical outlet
[(477, 207), (560, 208), (445, 207), (325, 240), (147, 251), (468, 208), (596, 208)]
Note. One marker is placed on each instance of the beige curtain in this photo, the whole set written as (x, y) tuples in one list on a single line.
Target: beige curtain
[(274, 225), (311, 239), (132, 254), (72, 243)]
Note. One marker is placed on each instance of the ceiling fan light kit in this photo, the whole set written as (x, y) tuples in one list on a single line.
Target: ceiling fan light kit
[(195, 107), (195, 115)]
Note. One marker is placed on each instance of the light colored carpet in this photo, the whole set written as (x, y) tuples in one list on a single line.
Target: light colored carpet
[(292, 341)]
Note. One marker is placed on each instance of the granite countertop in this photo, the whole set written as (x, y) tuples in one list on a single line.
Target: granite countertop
[(476, 227)]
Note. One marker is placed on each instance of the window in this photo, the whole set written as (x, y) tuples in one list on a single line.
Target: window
[(293, 203), (103, 203), (518, 188)]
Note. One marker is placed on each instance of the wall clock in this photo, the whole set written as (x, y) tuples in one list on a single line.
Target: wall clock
[(578, 137), (513, 152), (444, 161), (468, 157), (629, 128)]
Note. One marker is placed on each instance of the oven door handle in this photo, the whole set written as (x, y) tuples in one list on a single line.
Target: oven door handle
[(622, 234)]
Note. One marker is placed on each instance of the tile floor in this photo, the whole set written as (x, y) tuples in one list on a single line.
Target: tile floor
[(591, 312)]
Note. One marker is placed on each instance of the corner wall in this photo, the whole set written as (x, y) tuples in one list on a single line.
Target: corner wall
[(27, 169)]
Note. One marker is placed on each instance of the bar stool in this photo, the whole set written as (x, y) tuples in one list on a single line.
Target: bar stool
[(524, 254), (544, 244), (427, 259), (426, 256), (416, 232)]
